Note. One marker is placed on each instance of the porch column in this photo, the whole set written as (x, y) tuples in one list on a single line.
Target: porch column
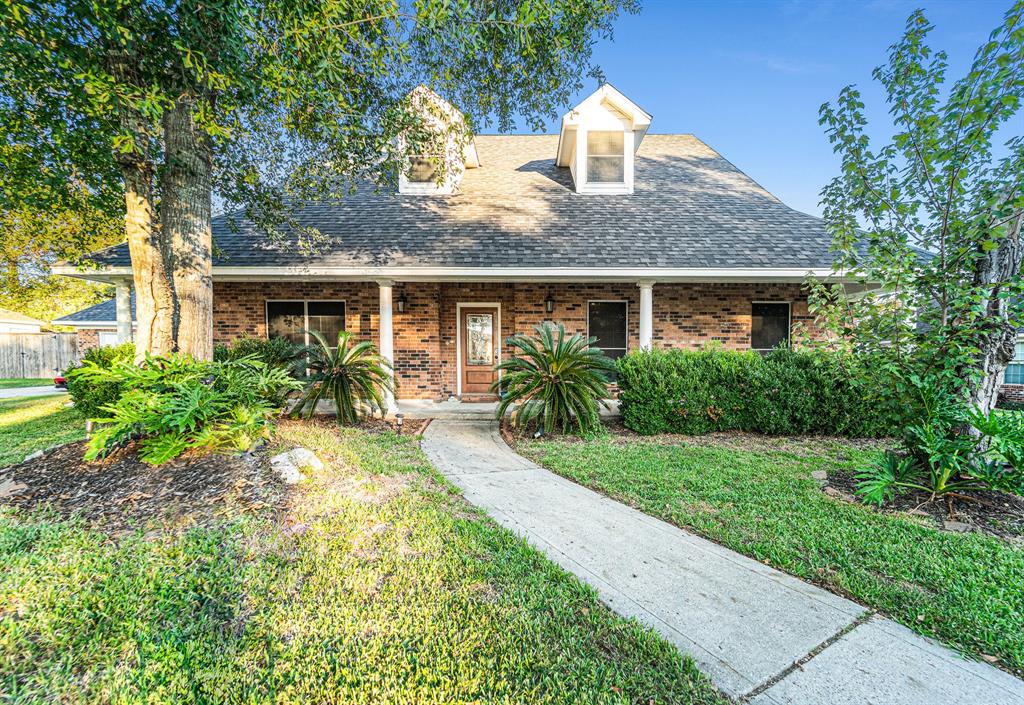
[(387, 335), (123, 306), (646, 313)]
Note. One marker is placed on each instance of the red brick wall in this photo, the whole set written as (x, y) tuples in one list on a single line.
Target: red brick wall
[(685, 315), (1012, 392), (88, 338)]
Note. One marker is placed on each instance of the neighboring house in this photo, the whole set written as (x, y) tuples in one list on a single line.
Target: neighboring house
[(96, 326), (637, 239), (14, 322)]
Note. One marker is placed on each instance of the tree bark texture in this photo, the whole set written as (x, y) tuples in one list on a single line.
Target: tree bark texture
[(185, 212), (997, 348)]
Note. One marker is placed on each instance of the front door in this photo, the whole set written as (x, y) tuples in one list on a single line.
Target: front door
[(480, 336)]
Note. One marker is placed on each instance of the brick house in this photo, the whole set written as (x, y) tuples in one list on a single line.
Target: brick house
[(637, 239)]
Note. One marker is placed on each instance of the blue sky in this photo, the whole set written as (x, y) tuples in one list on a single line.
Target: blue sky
[(748, 77)]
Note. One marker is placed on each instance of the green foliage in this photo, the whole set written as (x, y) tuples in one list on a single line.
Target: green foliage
[(357, 602), (91, 393), (757, 497), (949, 449), (933, 216), (274, 352), (174, 404), (555, 381), (784, 392), (353, 376)]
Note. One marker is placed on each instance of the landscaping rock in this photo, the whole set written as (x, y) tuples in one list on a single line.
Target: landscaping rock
[(9, 487), (956, 526), (33, 456), (288, 465), (820, 475)]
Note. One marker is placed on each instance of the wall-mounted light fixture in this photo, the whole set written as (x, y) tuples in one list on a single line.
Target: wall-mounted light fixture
[(549, 303), (403, 302)]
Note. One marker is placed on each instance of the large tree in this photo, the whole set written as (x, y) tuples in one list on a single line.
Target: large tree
[(935, 214), (264, 104)]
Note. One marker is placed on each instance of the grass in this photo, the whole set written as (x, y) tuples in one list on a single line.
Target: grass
[(376, 583), (17, 382), (28, 424), (964, 589)]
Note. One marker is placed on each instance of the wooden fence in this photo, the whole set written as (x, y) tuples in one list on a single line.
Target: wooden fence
[(36, 354)]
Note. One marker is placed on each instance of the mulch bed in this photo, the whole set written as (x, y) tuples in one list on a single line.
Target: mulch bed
[(122, 492), (989, 512), (410, 427)]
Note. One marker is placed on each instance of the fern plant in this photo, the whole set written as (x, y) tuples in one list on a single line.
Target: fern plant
[(352, 375), (558, 381)]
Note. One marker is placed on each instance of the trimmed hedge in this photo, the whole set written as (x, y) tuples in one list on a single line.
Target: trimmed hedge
[(91, 395), (784, 392)]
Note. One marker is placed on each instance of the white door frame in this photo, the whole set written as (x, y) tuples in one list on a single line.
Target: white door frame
[(458, 336)]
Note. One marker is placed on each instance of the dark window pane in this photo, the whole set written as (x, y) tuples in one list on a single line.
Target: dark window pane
[(421, 170), (769, 326), (286, 319), (327, 318), (607, 323), (605, 170)]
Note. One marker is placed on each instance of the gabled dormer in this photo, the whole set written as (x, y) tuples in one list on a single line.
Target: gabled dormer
[(599, 139), (443, 148)]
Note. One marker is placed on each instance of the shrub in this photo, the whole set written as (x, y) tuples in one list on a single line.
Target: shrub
[(555, 381), (275, 352), (175, 403), (355, 377), (92, 393), (784, 392)]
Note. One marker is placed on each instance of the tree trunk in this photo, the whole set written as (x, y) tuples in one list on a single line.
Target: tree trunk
[(154, 295), (185, 212), (1001, 264)]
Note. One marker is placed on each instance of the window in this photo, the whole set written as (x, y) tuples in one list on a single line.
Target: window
[(1015, 370), (291, 320), (606, 161), (107, 339), (769, 325), (606, 321), (422, 170)]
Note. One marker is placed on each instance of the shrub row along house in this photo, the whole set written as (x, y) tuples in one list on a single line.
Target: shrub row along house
[(637, 239)]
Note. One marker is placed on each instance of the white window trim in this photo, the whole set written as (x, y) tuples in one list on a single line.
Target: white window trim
[(610, 301), (305, 313), (498, 341), (1019, 341), (583, 184), (789, 323)]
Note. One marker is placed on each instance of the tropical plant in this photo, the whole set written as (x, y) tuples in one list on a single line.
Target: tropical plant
[(174, 403), (554, 380), (354, 376), (275, 352)]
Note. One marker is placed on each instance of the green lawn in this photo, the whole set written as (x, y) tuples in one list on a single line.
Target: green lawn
[(16, 382), (29, 424), (386, 588), (965, 589)]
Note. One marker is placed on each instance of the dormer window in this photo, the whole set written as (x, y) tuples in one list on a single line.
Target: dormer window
[(598, 141), (442, 151), (605, 158)]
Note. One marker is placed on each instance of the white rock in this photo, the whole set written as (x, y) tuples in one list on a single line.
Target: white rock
[(287, 465), (10, 487), (305, 458), (33, 456)]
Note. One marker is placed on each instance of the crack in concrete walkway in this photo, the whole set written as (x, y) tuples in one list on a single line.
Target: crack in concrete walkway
[(762, 636)]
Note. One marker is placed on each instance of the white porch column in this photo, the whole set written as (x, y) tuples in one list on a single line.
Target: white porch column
[(646, 313), (387, 334), (123, 305)]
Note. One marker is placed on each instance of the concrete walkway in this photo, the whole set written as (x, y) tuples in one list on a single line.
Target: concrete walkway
[(762, 636), (30, 392)]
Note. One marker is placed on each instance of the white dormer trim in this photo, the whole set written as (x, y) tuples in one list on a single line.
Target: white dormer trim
[(604, 110), (456, 150)]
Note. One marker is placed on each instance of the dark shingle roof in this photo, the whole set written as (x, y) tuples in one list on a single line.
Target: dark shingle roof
[(691, 209), (104, 312)]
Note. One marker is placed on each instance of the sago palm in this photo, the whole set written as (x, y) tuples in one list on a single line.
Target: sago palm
[(354, 376), (554, 379)]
